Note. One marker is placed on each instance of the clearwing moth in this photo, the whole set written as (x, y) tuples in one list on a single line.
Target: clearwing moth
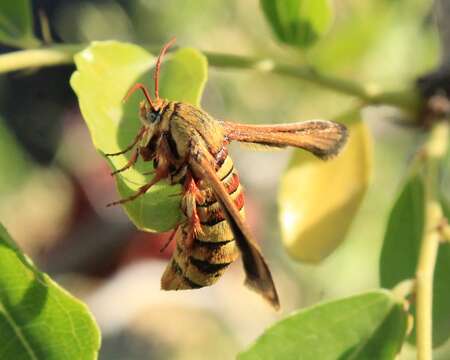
[(189, 147)]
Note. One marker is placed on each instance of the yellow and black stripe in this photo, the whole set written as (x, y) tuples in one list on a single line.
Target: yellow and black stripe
[(214, 248)]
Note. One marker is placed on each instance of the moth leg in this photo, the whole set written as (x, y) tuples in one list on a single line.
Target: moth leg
[(138, 137), (161, 172), (129, 164), (171, 237), (190, 195), (142, 190), (149, 172)]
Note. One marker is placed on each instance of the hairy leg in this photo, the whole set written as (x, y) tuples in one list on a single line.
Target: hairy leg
[(139, 136), (130, 162)]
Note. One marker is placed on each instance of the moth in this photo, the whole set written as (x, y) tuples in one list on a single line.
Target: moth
[(189, 147)]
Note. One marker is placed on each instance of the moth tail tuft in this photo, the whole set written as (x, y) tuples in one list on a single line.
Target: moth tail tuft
[(329, 142)]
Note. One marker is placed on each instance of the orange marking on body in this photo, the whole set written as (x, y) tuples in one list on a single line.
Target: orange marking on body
[(191, 187), (233, 184), (239, 201), (191, 193), (217, 215)]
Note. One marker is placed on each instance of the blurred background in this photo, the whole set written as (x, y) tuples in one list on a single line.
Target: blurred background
[(54, 186)]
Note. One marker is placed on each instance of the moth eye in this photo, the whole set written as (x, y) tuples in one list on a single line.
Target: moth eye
[(153, 116)]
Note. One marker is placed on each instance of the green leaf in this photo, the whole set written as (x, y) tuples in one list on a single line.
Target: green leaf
[(105, 72), (400, 254), (39, 319), (298, 22), (346, 46), (367, 326), (319, 199), (16, 24), (404, 233), (183, 77)]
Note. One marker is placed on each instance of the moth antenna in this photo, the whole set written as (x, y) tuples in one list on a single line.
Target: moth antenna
[(139, 86), (158, 65)]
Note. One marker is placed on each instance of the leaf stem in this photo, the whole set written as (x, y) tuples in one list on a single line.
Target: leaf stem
[(435, 150), (35, 58), (424, 289), (58, 54), (408, 99)]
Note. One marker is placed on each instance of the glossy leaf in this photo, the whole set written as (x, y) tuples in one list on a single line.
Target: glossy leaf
[(16, 24), (39, 319), (105, 72), (298, 22), (400, 253), (404, 233), (319, 199), (366, 326)]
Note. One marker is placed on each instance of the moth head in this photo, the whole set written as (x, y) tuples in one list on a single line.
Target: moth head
[(150, 116), (150, 109)]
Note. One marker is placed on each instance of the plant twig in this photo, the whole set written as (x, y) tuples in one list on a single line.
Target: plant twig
[(34, 58), (408, 99), (435, 150), (424, 286), (58, 54)]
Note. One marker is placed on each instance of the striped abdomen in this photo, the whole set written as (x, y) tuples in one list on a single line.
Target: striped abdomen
[(214, 249)]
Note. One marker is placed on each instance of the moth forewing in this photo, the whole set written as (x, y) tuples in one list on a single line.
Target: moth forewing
[(323, 138), (258, 276)]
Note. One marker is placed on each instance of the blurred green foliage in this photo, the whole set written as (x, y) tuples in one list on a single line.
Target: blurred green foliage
[(313, 229), (12, 153), (401, 248), (366, 326), (298, 22), (16, 25), (38, 319)]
